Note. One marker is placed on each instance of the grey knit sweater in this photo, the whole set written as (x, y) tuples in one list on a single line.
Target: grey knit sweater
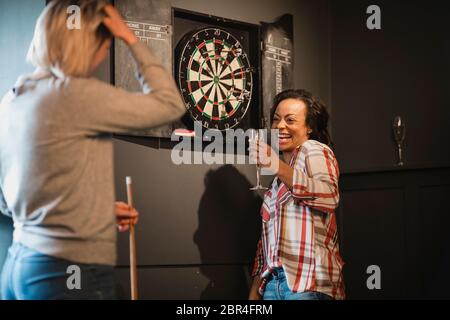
[(56, 156)]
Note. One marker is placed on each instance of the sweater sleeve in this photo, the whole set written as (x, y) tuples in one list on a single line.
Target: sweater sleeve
[(107, 109)]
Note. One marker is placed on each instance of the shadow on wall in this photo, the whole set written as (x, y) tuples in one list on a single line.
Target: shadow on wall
[(228, 231)]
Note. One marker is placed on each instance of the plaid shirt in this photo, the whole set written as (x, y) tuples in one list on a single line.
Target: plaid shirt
[(299, 230)]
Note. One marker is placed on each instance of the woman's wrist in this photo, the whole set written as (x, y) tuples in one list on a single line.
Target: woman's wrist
[(285, 173), (130, 39)]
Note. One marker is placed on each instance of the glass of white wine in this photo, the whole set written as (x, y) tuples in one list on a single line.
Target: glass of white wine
[(255, 135), (398, 127)]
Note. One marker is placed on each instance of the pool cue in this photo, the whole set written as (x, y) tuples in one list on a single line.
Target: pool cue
[(133, 270)]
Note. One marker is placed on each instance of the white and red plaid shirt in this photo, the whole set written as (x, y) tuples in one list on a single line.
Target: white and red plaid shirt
[(299, 231)]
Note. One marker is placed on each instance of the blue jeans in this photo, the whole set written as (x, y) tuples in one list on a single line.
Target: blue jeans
[(30, 275), (277, 289)]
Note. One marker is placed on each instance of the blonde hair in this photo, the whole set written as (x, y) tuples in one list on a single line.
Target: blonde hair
[(65, 51)]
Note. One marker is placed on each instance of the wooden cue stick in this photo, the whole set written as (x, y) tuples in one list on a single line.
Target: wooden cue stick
[(133, 270)]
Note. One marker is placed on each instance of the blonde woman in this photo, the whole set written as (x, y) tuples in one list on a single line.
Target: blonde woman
[(56, 166)]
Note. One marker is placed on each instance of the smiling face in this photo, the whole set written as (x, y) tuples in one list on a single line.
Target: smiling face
[(290, 120)]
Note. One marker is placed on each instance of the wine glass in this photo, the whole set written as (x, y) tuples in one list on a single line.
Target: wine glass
[(255, 135), (399, 135)]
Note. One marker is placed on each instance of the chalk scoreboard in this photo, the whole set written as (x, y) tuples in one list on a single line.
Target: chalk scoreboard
[(146, 31)]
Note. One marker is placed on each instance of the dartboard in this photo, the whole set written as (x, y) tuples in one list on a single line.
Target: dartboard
[(214, 77)]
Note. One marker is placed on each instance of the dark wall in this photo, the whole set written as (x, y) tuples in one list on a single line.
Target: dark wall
[(401, 69), (392, 217), (398, 221)]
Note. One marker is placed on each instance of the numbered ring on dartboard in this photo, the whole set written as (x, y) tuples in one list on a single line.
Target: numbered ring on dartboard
[(214, 77)]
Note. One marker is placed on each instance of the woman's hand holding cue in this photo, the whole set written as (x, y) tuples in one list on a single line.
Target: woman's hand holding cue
[(125, 215)]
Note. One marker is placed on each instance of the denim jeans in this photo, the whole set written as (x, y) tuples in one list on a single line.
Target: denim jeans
[(30, 275), (277, 289)]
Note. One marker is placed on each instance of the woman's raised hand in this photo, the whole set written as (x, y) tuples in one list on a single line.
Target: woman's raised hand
[(118, 28), (263, 155)]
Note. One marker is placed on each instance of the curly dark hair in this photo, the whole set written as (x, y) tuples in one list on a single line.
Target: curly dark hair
[(316, 113)]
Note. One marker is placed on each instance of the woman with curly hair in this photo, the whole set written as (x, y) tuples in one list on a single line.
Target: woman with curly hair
[(298, 254)]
